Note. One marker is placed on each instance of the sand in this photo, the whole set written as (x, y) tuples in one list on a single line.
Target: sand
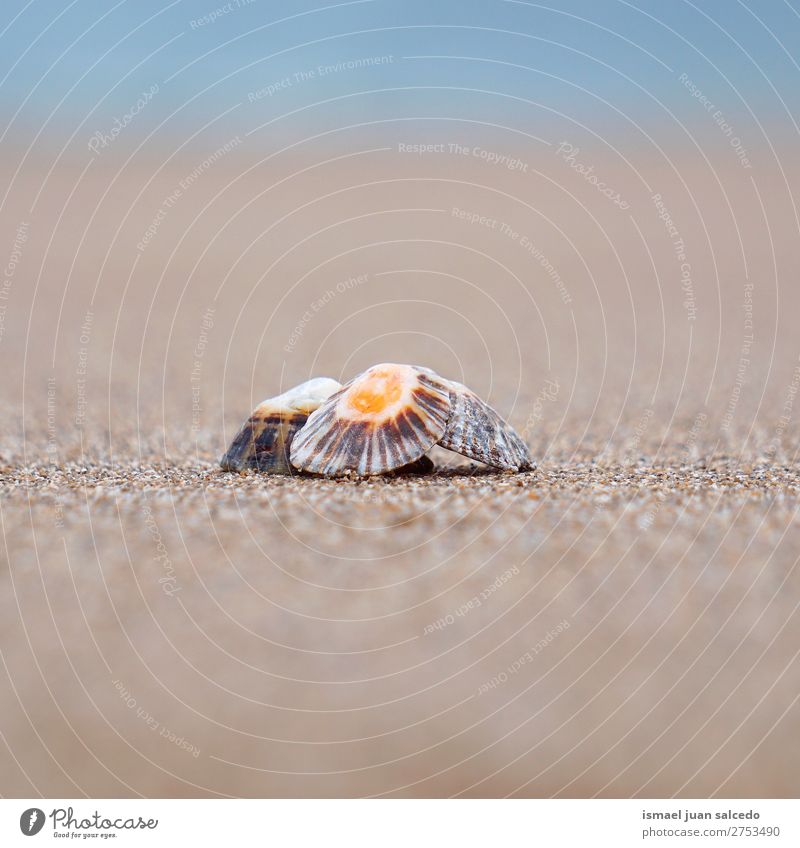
[(576, 630), (621, 621)]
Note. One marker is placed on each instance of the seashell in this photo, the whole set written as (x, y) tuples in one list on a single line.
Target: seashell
[(386, 418), (476, 431), (264, 440)]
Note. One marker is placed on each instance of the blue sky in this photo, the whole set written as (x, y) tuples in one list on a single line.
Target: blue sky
[(67, 66)]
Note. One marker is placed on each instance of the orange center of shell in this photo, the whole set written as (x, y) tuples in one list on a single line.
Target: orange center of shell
[(375, 393)]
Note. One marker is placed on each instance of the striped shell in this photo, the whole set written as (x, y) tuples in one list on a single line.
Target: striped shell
[(264, 440), (384, 419), (476, 431)]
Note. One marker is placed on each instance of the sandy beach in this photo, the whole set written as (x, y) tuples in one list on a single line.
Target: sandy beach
[(621, 621)]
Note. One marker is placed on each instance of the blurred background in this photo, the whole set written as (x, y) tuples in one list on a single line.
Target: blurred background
[(587, 211)]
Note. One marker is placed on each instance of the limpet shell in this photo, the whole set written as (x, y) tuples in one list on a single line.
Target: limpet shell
[(263, 442), (386, 418), (476, 431)]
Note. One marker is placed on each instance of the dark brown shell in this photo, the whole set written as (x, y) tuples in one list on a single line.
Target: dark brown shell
[(264, 441)]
